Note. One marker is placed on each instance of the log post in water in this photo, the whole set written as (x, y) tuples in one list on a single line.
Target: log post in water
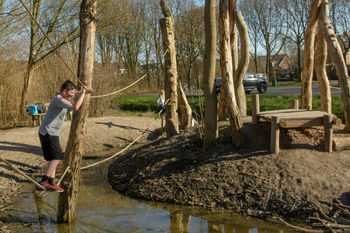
[(68, 199)]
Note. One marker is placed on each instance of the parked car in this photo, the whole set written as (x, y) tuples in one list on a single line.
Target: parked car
[(250, 82), (289, 75)]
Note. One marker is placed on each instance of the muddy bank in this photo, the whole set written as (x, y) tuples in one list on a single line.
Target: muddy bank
[(246, 180)]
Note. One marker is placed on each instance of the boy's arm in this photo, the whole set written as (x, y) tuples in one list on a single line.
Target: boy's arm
[(79, 101)]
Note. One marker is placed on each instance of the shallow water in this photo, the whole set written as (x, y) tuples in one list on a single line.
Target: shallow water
[(101, 209)]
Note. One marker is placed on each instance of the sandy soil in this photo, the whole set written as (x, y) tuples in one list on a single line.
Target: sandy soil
[(21, 147)]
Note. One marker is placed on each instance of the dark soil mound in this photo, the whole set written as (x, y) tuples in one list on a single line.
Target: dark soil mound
[(247, 180)]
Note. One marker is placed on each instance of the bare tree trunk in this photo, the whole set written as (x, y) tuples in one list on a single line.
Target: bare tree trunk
[(338, 59), (27, 81), (168, 35), (243, 63), (227, 75), (209, 63), (31, 57), (185, 109), (299, 58), (222, 110), (320, 68), (73, 153), (308, 67)]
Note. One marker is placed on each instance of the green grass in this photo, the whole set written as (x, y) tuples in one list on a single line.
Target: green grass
[(139, 105), (288, 83)]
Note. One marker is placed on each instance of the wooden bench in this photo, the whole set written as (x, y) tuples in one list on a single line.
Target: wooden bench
[(294, 118), (37, 118)]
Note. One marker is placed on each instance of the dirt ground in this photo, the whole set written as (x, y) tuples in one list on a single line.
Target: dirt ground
[(248, 180), (21, 147)]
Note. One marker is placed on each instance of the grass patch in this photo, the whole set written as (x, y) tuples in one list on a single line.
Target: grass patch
[(288, 83), (140, 105)]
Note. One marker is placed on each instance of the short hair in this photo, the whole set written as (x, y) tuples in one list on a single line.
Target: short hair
[(68, 85)]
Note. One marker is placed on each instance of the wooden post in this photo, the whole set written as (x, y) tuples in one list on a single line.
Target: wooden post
[(243, 61), (67, 200), (232, 108), (255, 108), (275, 135), (328, 132), (171, 75), (342, 143), (338, 60), (209, 64), (294, 104)]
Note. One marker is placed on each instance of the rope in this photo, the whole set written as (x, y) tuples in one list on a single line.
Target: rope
[(53, 46), (115, 92), (116, 154), (23, 174), (64, 173)]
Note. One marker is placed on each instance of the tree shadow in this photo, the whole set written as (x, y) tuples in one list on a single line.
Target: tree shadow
[(111, 124), (27, 169), (20, 147), (12, 177)]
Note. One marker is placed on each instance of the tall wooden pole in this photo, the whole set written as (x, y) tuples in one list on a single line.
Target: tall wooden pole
[(227, 73), (168, 36), (321, 72), (309, 51), (209, 64), (242, 64), (68, 199), (338, 60)]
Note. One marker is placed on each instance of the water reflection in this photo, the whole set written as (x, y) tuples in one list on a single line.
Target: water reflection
[(101, 209)]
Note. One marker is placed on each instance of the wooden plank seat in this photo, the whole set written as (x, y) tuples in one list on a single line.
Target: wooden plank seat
[(294, 118), (37, 118)]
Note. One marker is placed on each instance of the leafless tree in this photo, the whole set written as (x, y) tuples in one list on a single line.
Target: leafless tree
[(189, 40), (341, 18), (296, 14), (53, 19), (264, 13)]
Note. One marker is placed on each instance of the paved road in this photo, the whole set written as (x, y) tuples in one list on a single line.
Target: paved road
[(296, 90)]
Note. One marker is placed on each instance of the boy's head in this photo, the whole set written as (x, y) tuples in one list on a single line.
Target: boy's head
[(68, 89)]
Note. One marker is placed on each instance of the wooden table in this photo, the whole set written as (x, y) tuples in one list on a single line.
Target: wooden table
[(294, 118), (37, 118)]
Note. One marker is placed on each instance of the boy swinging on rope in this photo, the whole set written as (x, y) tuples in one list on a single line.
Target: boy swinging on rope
[(51, 126)]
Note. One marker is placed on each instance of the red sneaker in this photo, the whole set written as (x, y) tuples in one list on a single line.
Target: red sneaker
[(56, 188), (45, 184)]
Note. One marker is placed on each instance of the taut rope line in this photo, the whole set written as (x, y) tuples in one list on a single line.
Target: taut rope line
[(124, 88), (116, 154), (115, 92), (64, 173), (53, 46)]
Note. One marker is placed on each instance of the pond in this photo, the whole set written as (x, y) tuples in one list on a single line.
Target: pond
[(101, 209)]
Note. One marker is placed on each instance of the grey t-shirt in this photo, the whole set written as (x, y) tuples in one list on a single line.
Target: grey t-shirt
[(55, 116)]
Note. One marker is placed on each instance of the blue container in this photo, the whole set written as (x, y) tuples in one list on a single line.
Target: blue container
[(33, 109)]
